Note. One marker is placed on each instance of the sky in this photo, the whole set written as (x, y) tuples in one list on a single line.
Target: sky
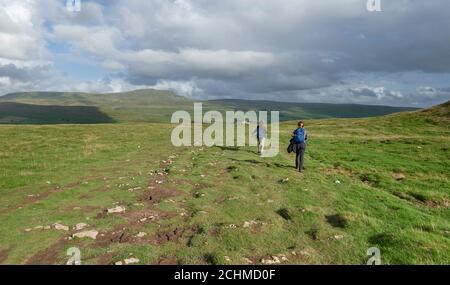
[(331, 51)]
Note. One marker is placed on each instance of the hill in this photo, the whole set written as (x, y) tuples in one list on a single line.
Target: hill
[(157, 106), (133, 106), (294, 111)]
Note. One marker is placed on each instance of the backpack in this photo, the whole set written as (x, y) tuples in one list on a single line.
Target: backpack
[(297, 138), (290, 148)]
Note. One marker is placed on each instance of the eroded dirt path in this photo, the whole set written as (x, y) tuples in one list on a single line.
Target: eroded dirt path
[(137, 215)]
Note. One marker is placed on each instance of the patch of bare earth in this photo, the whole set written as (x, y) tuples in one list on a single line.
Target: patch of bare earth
[(167, 261), (50, 255), (178, 234), (156, 192), (4, 254)]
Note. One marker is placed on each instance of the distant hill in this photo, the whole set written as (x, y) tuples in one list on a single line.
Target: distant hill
[(135, 106), (294, 111), (150, 105)]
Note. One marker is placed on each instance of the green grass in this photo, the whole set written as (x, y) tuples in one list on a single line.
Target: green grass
[(228, 205)]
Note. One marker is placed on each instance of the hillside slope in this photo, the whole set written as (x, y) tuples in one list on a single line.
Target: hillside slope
[(157, 106), (294, 111), (134, 106)]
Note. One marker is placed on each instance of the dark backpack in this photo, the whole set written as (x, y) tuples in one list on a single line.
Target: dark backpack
[(291, 146)]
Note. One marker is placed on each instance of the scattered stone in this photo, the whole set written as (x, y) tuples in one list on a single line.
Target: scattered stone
[(285, 180), (246, 260), (273, 260), (134, 189), (39, 227), (399, 176), (47, 227), (28, 230), (227, 259), (337, 182), (232, 226), (141, 234), (77, 208), (249, 224), (304, 252), (118, 263), (131, 260), (338, 237), (118, 209), (60, 227), (80, 226), (90, 234)]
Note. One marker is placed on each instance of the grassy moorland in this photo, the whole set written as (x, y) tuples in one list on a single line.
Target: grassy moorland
[(381, 182)]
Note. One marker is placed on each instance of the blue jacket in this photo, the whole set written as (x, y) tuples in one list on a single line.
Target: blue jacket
[(300, 135)]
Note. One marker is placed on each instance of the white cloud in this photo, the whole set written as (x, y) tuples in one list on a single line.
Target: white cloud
[(184, 88), (98, 40), (20, 31), (195, 62)]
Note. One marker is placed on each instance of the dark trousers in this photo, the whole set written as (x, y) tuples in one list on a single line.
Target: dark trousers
[(299, 155)]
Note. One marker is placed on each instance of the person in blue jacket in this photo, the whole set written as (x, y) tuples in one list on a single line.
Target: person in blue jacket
[(299, 139)]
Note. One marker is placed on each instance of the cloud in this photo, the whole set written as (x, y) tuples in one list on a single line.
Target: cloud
[(379, 93), (294, 50), (20, 32), (188, 63), (185, 88), (98, 40), (427, 91)]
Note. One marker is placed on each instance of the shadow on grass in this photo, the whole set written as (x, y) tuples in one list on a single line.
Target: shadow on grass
[(337, 221), (284, 213), (18, 113)]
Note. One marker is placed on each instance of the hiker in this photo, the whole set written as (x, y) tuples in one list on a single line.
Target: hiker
[(261, 136), (299, 138)]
